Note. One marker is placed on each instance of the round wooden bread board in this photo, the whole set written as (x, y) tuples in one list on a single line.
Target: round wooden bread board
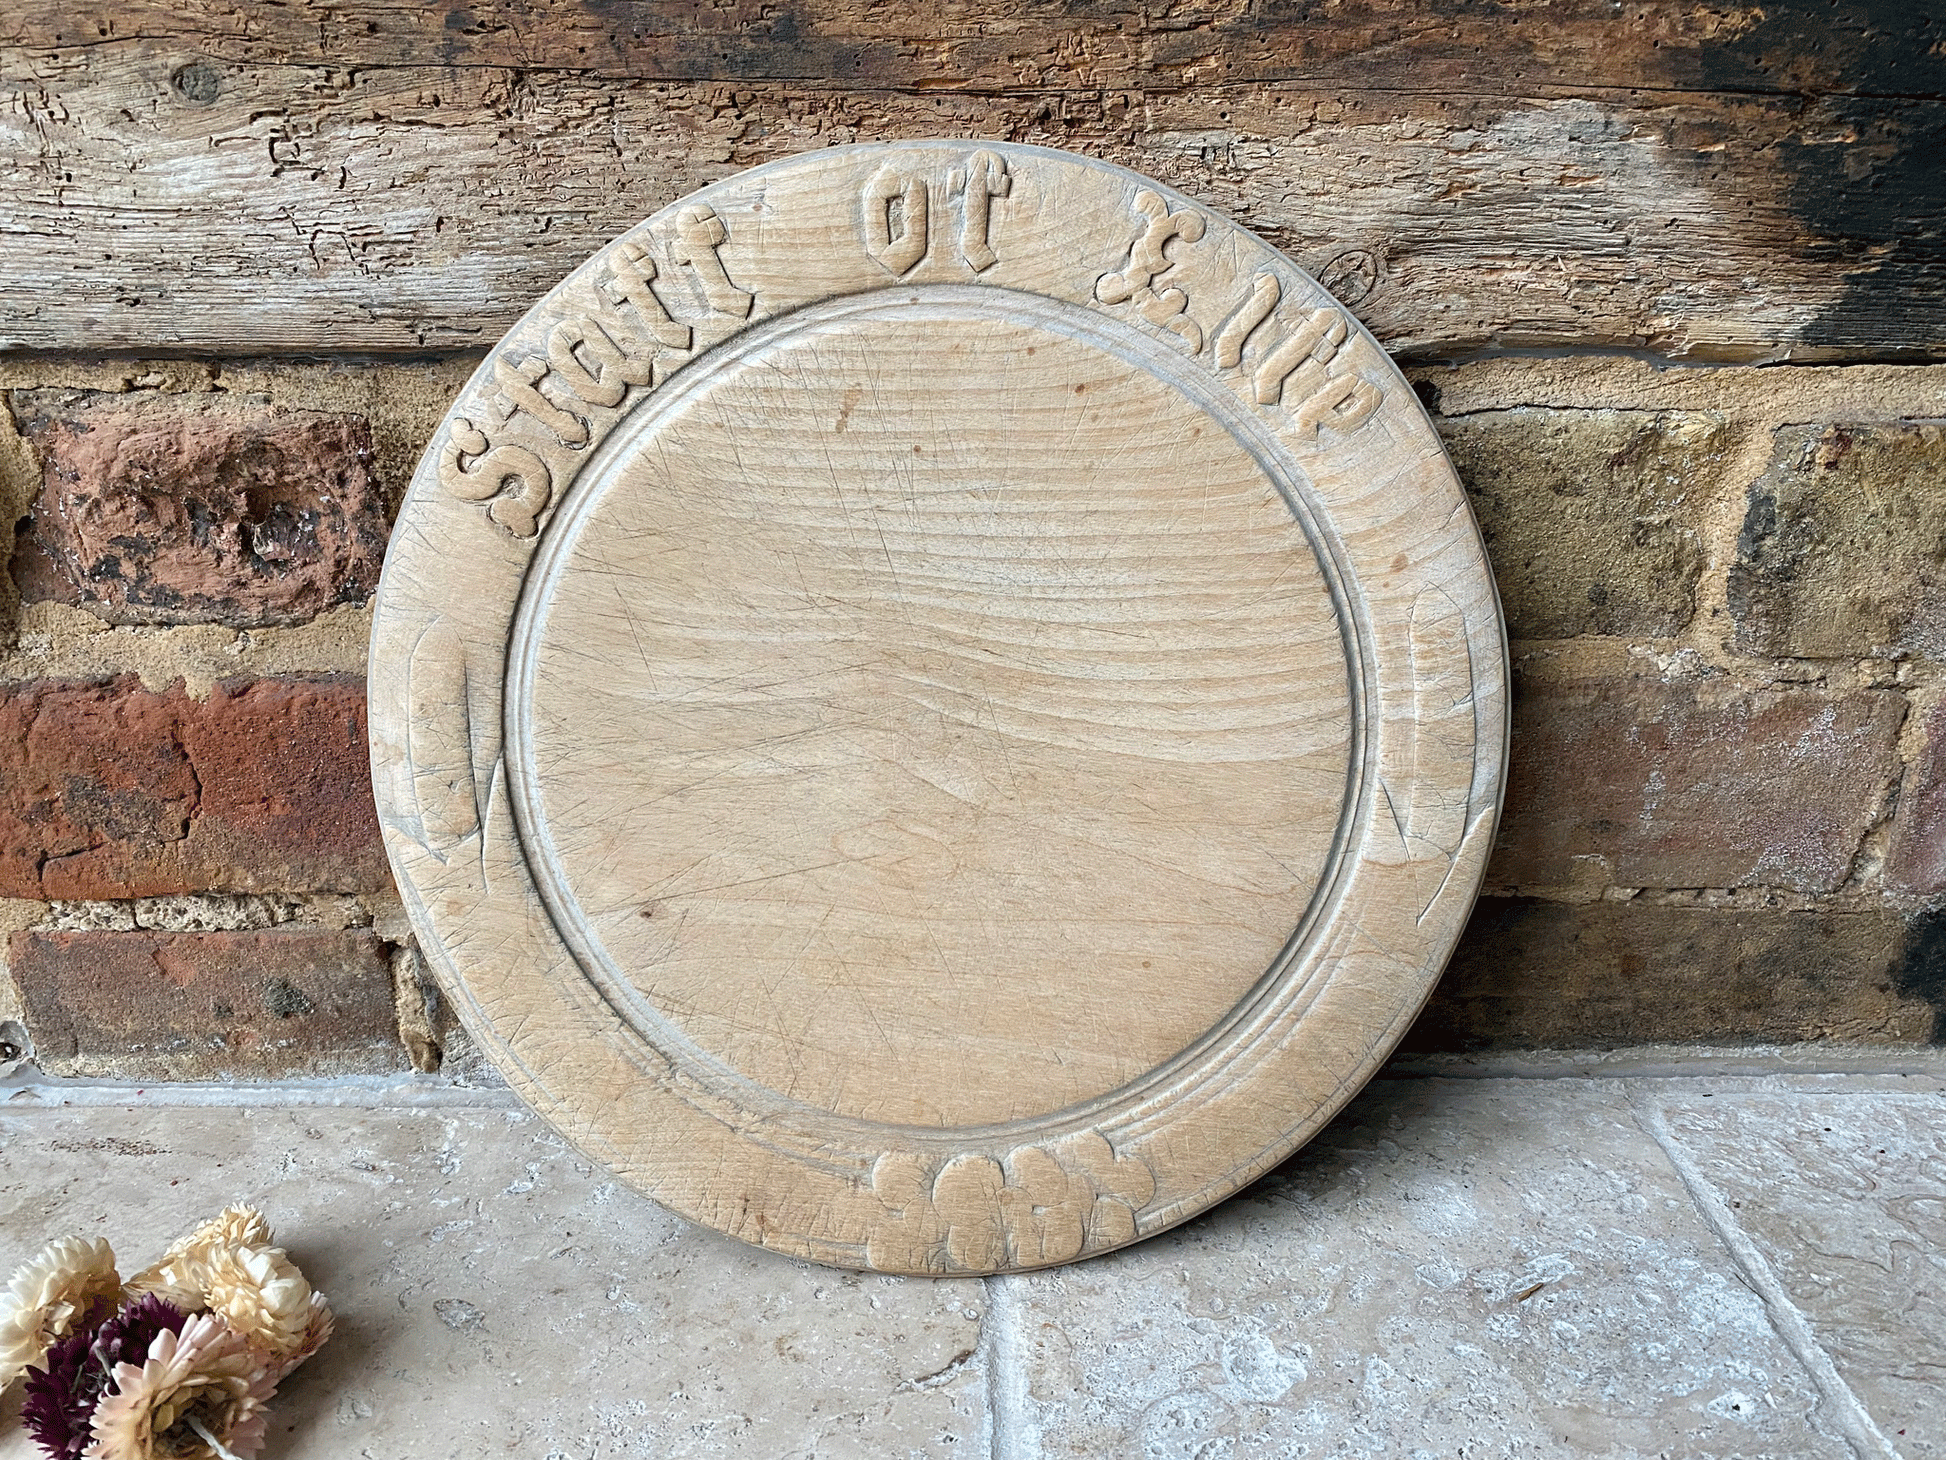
[(937, 706)]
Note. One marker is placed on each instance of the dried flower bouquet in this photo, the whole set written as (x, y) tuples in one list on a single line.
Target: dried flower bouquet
[(177, 1363)]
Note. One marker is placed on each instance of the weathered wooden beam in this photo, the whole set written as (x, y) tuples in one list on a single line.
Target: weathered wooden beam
[(1510, 47), (314, 178)]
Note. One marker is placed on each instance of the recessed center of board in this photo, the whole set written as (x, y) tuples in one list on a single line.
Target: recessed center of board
[(932, 709)]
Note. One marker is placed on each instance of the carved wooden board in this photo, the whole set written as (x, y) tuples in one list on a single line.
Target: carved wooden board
[(938, 706)]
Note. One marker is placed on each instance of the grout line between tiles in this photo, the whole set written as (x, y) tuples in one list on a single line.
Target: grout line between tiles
[(1676, 1062), (1013, 1433), (1851, 1417), (18, 1098)]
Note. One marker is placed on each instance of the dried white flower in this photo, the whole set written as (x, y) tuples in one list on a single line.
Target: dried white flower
[(199, 1396), (49, 1296), (181, 1277), (234, 1226), (317, 1328), (260, 1293)]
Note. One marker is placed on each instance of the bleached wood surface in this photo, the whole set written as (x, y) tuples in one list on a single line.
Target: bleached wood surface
[(323, 177), (939, 707)]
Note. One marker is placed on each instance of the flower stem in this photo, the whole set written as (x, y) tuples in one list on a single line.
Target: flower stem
[(217, 1447)]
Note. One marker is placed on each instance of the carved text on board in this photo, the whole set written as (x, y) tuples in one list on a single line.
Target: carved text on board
[(1303, 365), (632, 281), (520, 390), (1039, 1204), (699, 234), (1148, 260), (592, 359), (475, 471), (1301, 362), (898, 209), (593, 367)]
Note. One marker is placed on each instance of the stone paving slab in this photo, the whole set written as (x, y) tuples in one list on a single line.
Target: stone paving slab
[(1454, 1269), (1845, 1199), (497, 1295), (1611, 1268)]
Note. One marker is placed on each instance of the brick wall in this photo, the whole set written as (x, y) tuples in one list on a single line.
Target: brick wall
[(1726, 598), (191, 880), (1726, 820)]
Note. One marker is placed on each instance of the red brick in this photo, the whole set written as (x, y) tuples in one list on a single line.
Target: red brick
[(199, 1006), (1692, 785), (1915, 860), (169, 514), (1530, 974), (108, 790)]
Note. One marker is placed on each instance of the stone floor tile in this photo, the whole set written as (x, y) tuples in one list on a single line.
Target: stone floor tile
[(499, 1296), (1844, 1195), (1469, 1270)]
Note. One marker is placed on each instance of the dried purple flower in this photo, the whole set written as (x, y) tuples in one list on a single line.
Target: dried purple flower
[(80, 1368)]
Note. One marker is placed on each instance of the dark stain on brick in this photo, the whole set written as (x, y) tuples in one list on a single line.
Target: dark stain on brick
[(1921, 973), (285, 999), (1758, 543), (1531, 974), (1842, 550)]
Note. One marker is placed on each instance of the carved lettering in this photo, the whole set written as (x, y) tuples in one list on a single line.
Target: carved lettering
[(1305, 354), (1038, 1205), (897, 204), (1256, 309), (484, 478), (983, 179), (1301, 364), (603, 377), (699, 233), (520, 391), (1343, 404), (895, 236), (1148, 261), (633, 272)]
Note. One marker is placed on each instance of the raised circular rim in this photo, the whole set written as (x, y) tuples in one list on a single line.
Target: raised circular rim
[(781, 1113), (1387, 522)]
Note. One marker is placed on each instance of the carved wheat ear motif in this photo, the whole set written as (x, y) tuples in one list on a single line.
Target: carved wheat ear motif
[(951, 706), (1034, 1207)]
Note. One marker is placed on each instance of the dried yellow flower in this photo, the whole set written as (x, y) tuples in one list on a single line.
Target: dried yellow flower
[(49, 1296), (181, 1277), (177, 1286), (199, 1396), (234, 1226), (260, 1293)]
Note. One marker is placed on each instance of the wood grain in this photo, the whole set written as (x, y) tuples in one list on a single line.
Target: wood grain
[(326, 177), (1517, 47), (937, 706)]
